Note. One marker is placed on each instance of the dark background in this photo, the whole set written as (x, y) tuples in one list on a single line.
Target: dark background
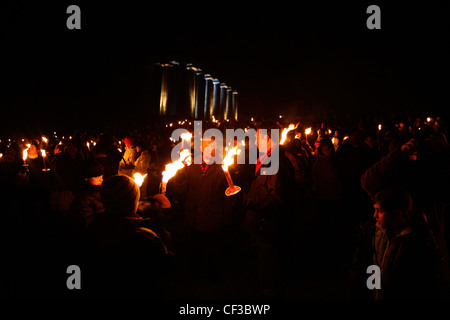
[(281, 58)]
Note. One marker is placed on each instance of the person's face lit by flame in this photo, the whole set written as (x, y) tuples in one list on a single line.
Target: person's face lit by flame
[(32, 151), (95, 181)]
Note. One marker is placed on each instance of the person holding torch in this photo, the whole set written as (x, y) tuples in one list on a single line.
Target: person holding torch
[(126, 164), (203, 188), (269, 207), (38, 162)]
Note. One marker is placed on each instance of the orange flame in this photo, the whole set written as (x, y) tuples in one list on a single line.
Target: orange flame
[(285, 132), (172, 168), (186, 136), (139, 178), (228, 160)]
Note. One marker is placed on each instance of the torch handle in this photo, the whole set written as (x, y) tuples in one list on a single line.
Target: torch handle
[(229, 180), (162, 187)]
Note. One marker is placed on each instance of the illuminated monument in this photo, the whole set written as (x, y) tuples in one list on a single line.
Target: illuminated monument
[(185, 91)]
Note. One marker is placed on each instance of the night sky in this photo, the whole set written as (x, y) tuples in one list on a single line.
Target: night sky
[(281, 58)]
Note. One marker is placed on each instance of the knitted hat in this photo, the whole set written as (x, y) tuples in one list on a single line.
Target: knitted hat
[(120, 195)]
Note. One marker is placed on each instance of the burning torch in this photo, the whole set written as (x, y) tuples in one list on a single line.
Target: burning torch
[(24, 157), (285, 132), (172, 168), (232, 189), (139, 178), (43, 159)]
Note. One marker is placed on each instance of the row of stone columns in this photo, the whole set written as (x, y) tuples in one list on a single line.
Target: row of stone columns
[(188, 91)]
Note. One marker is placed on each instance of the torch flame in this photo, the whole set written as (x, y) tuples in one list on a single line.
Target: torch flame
[(172, 168), (139, 178), (43, 152), (285, 132), (308, 131), (186, 136), (44, 139), (229, 158), (25, 154)]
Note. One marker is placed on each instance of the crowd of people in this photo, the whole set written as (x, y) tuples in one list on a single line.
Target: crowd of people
[(346, 196)]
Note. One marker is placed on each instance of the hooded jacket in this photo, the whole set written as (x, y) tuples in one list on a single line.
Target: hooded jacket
[(407, 261)]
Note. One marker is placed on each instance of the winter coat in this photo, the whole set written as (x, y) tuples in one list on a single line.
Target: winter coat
[(142, 163), (269, 202), (327, 182), (126, 167), (126, 259), (68, 172), (205, 197), (407, 261), (419, 178)]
